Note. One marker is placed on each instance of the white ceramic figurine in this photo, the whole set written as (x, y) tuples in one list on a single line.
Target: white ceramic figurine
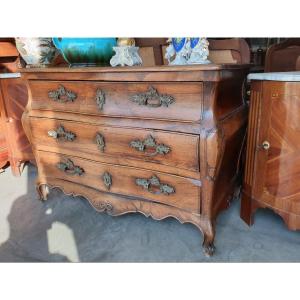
[(178, 48), (198, 51), (126, 53), (184, 51)]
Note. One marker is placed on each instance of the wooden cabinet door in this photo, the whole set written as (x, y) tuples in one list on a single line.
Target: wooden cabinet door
[(277, 145)]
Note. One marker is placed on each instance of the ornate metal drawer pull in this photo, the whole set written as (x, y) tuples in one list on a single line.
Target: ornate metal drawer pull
[(152, 98), (69, 167), (100, 141), (61, 133), (100, 98), (154, 186), (150, 142), (62, 95), (107, 179)]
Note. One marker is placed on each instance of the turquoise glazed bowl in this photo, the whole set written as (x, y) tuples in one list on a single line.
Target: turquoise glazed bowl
[(86, 51)]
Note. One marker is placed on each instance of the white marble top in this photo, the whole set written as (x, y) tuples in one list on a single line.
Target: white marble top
[(276, 76), (10, 75)]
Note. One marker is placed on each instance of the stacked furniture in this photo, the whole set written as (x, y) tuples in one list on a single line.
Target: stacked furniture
[(8, 54), (163, 141), (14, 145), (3, 145), (272, 171), (283, 57), (229, 51)]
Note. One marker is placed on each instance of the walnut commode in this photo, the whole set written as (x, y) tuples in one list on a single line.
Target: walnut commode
[(163, 141)]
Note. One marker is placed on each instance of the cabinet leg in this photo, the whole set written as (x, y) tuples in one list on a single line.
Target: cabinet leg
[(246, 209), (208, 241), (43, 192), (3, 165), (208, 248), (17, 168)]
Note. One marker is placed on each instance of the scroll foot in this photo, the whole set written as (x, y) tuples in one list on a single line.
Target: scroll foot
[(17, 168), (208, 241), (43, 192), (208, 249)]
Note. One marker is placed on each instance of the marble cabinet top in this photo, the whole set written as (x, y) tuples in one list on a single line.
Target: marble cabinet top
[(10, 75), (276, 76)]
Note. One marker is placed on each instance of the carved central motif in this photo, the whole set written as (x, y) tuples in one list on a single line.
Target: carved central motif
[(154, 186), (103, 206), (152, 98), (62, 95), (150, 142)]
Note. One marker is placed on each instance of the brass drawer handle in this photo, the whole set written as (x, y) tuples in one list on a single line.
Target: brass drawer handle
[(69, 167), (100, 99), (100, 141), (152, 98), (150, 142), (62, 95), (61, 133), (107, 180), (154, 186)]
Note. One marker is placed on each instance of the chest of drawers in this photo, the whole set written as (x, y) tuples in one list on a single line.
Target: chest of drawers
[(162, 141)]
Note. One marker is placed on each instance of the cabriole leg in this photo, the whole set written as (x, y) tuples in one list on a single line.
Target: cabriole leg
[(43, 192), (208, 246), (208, 241)]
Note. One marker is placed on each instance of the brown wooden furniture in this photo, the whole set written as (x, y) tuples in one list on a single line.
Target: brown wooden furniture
[(272, 171), (8, 53), (284, 56), (151, 50), (14, 145), (13, 99), (162, 141), (229, 51), (3, 144)]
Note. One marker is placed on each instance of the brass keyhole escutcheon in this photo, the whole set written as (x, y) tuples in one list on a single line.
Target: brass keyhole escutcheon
[(265, 145), (107, 180)]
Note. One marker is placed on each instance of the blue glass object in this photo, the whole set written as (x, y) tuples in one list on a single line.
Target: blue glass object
[(178, 43), (194, 42), (86, 51)]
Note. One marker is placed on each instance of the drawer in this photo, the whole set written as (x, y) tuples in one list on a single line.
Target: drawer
[(81, 139), (180, 101), (159, 187)]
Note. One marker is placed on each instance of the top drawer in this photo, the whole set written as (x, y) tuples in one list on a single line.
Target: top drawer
[(172, 101)]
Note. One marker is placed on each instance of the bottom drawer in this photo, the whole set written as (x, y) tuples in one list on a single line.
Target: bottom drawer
[(164, 188)]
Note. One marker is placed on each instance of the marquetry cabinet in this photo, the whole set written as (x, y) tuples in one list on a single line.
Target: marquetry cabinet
[(272, 172), (163, 141)]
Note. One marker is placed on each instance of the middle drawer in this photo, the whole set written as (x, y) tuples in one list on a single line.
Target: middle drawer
[(166, 148)]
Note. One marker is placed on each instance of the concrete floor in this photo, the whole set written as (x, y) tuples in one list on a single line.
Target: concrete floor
[(68, 229)]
